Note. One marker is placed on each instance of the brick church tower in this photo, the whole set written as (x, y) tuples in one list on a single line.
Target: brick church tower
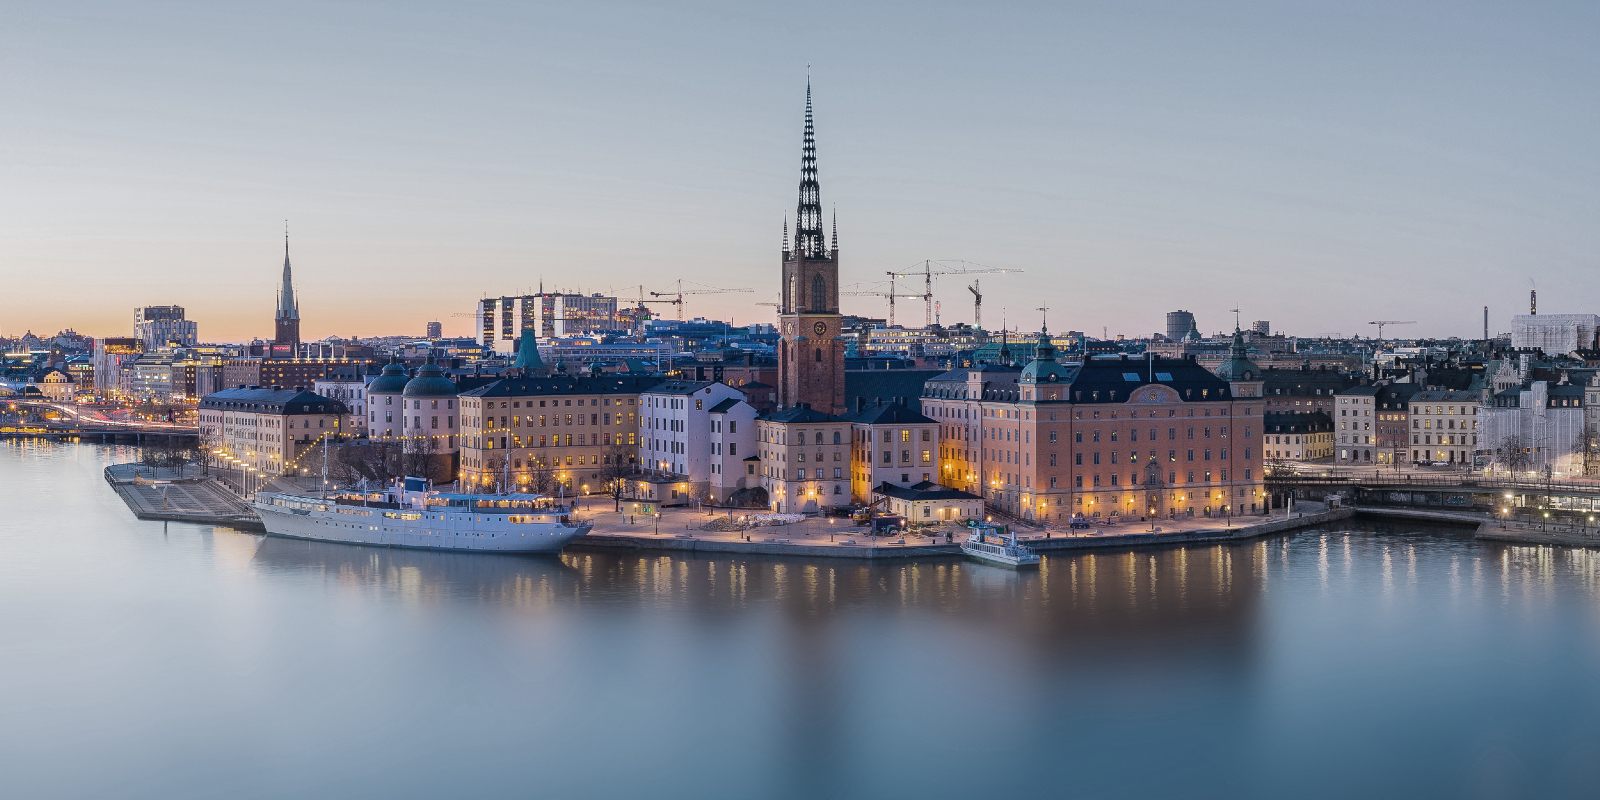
[(811, 355)]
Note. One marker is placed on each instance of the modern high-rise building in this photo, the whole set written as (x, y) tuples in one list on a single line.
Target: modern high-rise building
[(160, 326), (1179, 323), (501, 320), (435, 330), (812, 351)]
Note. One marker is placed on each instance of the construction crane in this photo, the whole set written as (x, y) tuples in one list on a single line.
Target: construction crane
[(678, 295), (890, 294), (977, 305), (949, 267), (1382, 322)]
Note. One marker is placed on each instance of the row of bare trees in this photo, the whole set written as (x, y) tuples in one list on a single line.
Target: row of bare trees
[(173, 453)]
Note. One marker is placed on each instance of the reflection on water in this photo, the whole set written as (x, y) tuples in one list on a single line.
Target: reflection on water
[(143, 660)]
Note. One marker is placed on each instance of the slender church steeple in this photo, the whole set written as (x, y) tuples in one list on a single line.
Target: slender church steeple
[(286, 321), (808, 233)]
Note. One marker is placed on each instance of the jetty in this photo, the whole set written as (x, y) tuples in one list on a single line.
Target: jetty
[(160, 493)]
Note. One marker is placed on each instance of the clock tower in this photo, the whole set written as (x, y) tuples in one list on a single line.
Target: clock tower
[(811, 353)]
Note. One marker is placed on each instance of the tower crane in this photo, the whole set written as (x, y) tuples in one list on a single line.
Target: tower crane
[(1382, 322), (889, 294), (678, 295), (948, 267)]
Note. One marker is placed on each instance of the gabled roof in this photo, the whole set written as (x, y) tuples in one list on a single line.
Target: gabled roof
[(726, 405), (680, 387), (923, 491), (889, 414), (275, 401), (801, 413)]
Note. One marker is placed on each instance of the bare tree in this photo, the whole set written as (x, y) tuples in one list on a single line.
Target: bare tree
[(619, 465), (419, 455), (1513, 452), (541, 478), (1589, 449)]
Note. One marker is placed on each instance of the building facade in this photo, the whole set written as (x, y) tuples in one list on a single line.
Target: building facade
[(1297, 438), (268, 429), (675, 431), (164, 326), (891, 444), (805, 459), (1534, 426), (1444, 427), (562, 430)]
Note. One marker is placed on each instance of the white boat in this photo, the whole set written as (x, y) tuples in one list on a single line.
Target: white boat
[(997, 544), (413, 515)]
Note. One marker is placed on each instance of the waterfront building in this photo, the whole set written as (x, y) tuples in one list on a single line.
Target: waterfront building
[(1537, 425), (164, 326), (732, 445), (1304, 389), (578, 432), (57, 386), (386, 401), (891, 444), (1297, 437), (1373, 424), (927, 501), (1444, 426), (266, 429), (675, 422), (1112, 436), (428, 417), (805, 458)]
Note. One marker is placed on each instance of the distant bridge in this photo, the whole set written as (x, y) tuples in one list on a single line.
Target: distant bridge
[(89, 422), (1498, 496)]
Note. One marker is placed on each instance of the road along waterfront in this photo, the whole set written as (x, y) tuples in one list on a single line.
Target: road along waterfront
[(1370, 658)]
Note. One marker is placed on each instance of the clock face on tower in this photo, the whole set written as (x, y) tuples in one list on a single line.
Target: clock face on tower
[(788, 328), (821, 328)]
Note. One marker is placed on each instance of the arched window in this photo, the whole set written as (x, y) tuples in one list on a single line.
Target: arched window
[(819, 355), (819, 296)]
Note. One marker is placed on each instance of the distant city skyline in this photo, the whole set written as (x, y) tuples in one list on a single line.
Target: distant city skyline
[(1317, 168)]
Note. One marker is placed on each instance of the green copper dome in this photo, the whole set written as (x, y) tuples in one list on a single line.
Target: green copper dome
[(392, 381), (431, 382)]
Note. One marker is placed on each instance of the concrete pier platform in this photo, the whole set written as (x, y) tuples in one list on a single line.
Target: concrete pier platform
[(161, 494)]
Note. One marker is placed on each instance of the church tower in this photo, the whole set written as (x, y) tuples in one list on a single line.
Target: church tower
[(287, 318), (811, 355)]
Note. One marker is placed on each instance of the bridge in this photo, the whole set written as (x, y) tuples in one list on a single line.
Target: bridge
[(91, 422), (1523, 497)]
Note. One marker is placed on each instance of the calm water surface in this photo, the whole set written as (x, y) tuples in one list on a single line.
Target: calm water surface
[(143, 661)]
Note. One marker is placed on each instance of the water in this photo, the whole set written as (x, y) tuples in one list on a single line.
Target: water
[(140, 660)]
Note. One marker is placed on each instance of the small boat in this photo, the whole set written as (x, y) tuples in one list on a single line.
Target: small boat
[(997, 544)]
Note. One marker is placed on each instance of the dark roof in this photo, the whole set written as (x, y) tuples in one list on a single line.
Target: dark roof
[(801, 413), (754, 385), (392, 381), (1113, 379), (1297, 423), (726, 406), (866, 387), (889, 414), (430, 382), (680, 387), (565, 384), (279, 401), (926, 490)]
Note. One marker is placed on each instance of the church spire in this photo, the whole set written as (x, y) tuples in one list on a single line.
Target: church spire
[(834, 247), (287, 307), (808, 233)]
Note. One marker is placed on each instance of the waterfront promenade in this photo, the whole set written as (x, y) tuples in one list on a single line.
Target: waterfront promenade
[(164, 494)]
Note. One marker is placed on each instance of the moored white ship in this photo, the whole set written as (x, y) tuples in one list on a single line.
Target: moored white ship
[(412, 515), (997, 544)]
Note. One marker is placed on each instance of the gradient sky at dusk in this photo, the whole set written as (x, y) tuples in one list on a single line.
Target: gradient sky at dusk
[(1318, 165)]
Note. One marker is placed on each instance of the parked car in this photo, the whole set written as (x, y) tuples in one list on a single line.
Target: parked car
[(1078, 522)]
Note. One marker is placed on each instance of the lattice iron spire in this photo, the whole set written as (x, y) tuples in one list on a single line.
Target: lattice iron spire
[(834, 247), (808, 234), (785, 234)]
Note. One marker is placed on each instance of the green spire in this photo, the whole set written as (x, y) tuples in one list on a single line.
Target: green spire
[(528, 353)]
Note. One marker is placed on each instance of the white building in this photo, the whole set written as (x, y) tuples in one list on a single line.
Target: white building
[(675, 431), (1555, 334), (160, 326), (348, 385), (1544, 422), (733, 436), (267, 429), (386, 402)]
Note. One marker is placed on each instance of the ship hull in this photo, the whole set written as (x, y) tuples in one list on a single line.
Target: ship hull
[(302, 518)]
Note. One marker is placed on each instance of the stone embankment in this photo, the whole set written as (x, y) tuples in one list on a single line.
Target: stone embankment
[(160, 494)]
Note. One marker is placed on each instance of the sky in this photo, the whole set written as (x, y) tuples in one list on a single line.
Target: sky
[(1317, 165)]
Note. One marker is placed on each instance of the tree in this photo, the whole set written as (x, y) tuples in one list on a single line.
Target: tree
[(1513, 452), (419, 455), (541, 478), (1589, 450), (619, 465)]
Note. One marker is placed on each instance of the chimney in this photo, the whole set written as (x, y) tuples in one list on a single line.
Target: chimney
[(1533, 302)]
